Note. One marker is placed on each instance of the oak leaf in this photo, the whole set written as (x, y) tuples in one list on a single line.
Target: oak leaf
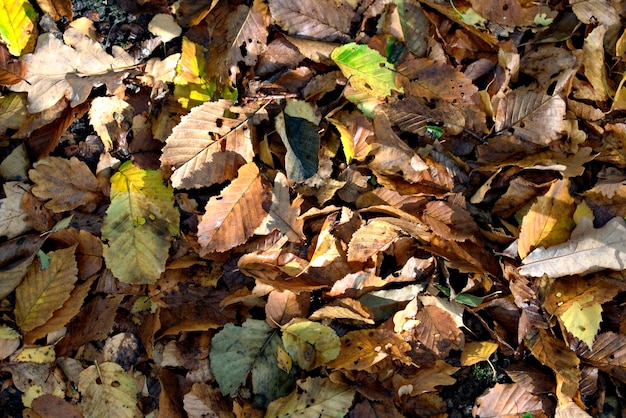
[(56, 69), (232, 217), (65, 184)]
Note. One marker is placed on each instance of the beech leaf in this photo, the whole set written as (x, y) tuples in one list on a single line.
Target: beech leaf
[(507, 400), (324, 20), (583, 319), (588, 250), (207, 147), (13, 219), (139, 224), (233, 216), (43, 291)]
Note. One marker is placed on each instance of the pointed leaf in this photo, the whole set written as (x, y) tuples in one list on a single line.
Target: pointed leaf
[(232, 217), (67, 184), (207, 147), (139, 224), (588, 250), (366, 69), (372, 238), (17, 27), (323, 20), (107, 390), (549, 220), (44, 291), (415, 26), (317, 398)]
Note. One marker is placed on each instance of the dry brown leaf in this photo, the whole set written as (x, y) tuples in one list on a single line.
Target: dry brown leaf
[(324, 20), (231, 218), (425, 380), (372, 238), (508, 400), (450, 221), (12, 71), (592, 11), (13, 218), (284, 306), (413, 115), (206, 147), (608, 354), (533, 115), (283, 214), (111, 117), (593, 61), (204, 401), (66, 184)]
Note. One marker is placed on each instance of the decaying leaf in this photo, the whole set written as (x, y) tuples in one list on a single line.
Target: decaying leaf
[(310, 344), (508, 400), (107, 389)]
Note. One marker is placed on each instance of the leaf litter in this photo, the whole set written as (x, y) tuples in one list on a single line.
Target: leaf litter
[(322, 208)]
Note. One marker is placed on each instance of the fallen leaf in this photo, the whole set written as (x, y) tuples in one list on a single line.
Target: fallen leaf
[(17, 27), (232, 217), (163, 25), (13, 219), (107, 389), (310, 344), (508, 400), (588, 250)]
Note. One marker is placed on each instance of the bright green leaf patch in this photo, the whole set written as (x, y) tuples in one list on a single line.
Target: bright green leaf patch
[(367, 70), (139, 225)]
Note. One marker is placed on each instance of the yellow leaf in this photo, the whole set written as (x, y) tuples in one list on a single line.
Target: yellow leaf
[(549, 220), (111, 117), (17, 27), (44, 291), (477, 351), (38, 355), (583, 319), (311, 344), (108, 391)]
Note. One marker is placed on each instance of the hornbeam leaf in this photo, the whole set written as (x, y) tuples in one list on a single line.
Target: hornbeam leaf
[(43, 291), (232, 217), (139, 225)]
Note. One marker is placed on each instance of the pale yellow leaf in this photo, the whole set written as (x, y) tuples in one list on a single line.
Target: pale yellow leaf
[(163, 25), (107, 390), (111, 118)]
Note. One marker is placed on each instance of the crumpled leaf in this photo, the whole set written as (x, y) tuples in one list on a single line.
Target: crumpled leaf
[(17, 25), (283, 214), (549, 220), (323, 20), (317, 397), (532, 114), (310, 344), (66, 184), (13, 219), (111, 118), (107, 390), (588, 250), (207, 147), (55, 70), (43, 291), (237, 352), (367, 70), (233, 216), (139, 224)]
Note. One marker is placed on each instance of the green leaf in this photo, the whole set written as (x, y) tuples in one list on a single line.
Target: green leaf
[(252, 348), (367, 70), (139, 224), (17, 25), (311, 344)]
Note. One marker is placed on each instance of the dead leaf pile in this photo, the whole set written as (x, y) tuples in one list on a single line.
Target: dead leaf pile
[(317, 208)]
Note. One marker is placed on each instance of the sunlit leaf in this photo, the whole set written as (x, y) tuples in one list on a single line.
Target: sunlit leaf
[(139, 225), (310, 344), (321, 20), (17, 25)]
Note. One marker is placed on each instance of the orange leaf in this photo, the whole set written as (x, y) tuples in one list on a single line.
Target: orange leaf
[(232, 217)]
